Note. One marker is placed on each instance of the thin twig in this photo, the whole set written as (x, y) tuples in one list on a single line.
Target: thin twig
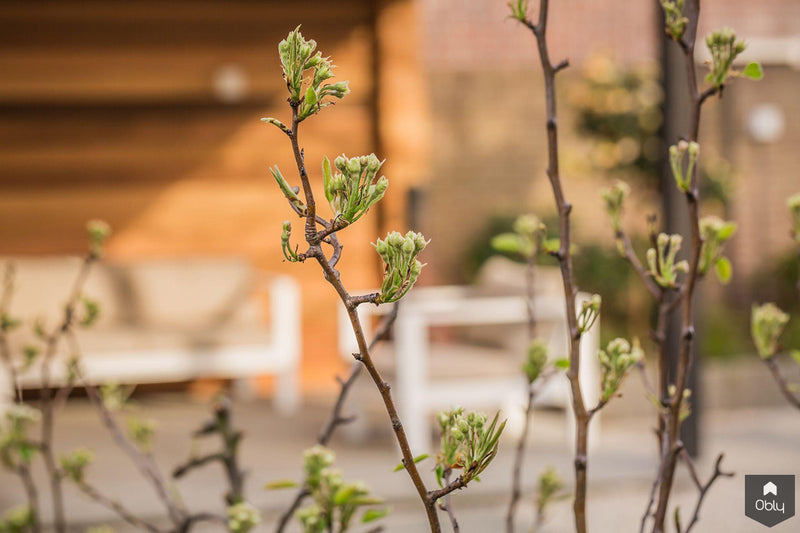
[(220, 424), (564, 256), (671, 447), (314, 238), (703, 488), (447, 506), (117, 507), (143, 463), (783, 385), (336, 419), (47, 403), (5, 348), (633, 259)]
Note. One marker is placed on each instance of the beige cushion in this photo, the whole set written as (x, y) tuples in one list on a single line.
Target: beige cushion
[(107, 341), (192, 293), (43, 285)]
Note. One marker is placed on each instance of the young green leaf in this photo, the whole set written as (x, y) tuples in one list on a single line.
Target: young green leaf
[(417, 459), (562, 363), (370, 515), (753, 71), (724, 270), (281, 484)]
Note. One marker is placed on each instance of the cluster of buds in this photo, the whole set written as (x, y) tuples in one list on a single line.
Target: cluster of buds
[(18, 520), (289, 192), (73, 466), (468, 443), (614, 199), (715, 233), (297, 56), (794, 211), (661, 260), (519, 9), (15, 445), (535, 360), (673, 16), (91, 311), (288, 252), (115, 397), (550, 486), (242, 517), (615, 362), (590, 310), (525, 241), (141, 432), (724, 48), (99, 232), (683, 172), (401, 267), (767, 322), (354, 188), (336, 501)]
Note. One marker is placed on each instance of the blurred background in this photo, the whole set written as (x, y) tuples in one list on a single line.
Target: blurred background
[(146, 114)]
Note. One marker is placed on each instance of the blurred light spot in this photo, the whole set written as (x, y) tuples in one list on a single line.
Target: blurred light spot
[(230, 84), (766, 123)]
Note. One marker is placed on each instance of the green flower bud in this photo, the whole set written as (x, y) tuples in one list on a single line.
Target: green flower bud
[(614, 198), (297, 56), (99, 232), (674, 19), (715, 232), (74, 465), (399, 253), (767, 323), (615, 363), (724, 48), (661, 260), (242, 517), (535, 360), (353, 190)]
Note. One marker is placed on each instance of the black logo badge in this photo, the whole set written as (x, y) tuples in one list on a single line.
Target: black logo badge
[(769, 500)]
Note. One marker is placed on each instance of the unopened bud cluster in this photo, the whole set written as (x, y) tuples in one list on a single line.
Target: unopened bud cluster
[(724, 48), (99, 232), (683, 172), (335, 500), (661, 260), (468, 442), (535, 360), (615, 362), (590, 310), (242, 517), (74, 465), (767, 322), (354, 188), (673, 16), (715, 233), (519, 9), (614, 200), (297, 56), (401, 267)]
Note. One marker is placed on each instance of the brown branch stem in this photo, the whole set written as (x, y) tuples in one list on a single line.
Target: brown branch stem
[(336, 418), (564, 256), (332, 277)]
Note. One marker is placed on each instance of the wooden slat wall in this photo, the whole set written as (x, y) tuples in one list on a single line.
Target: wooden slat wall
[(107, 110)]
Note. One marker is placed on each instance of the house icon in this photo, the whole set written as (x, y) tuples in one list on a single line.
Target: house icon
[(770, 488)]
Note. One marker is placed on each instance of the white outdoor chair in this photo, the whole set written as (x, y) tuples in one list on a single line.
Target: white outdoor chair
[(423, 382), (167, 320)]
